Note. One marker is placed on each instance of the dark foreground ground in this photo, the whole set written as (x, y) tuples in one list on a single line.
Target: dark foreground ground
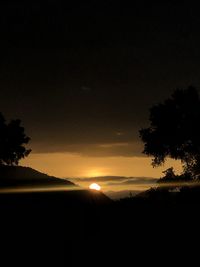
[(67, 228)]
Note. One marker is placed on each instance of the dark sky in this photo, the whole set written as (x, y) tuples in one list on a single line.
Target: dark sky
[(82, 76)]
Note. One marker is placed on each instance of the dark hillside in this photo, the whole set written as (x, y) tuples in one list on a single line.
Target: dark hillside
[(24, 176)]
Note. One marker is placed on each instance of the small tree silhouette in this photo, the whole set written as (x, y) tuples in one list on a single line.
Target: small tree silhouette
[(175, 131), (12, 141), (169, 174)]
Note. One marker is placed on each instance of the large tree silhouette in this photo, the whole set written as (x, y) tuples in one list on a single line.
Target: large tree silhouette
[(174, 131), (12, 142)]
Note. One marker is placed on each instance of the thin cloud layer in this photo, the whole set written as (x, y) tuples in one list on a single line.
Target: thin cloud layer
[(121, 149), (117, 180)]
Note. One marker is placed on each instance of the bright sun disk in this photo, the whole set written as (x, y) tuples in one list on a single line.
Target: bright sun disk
[(95, 186)]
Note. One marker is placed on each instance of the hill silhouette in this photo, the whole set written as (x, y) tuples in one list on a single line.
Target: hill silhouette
[(116, 195), (25, 176), (70, 225), (26, 185), (34, 223)]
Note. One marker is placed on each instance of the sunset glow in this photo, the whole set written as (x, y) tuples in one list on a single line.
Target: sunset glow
[(95, 186), (99, 132)]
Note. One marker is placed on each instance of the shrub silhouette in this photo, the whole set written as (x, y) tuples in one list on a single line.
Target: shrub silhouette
[(175, 131), (12, 142)]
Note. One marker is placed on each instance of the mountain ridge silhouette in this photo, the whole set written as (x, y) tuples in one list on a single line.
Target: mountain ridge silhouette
[(22, 176)]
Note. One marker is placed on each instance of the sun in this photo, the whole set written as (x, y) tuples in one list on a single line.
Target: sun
[(95, 186)]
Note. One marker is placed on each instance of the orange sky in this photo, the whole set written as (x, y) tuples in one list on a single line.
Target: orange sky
[(69, 165), (74, 165)]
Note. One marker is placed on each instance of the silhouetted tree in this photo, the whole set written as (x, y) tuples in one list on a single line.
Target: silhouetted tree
[(12, 141), (175, 131), (170, 177), (169, 174)]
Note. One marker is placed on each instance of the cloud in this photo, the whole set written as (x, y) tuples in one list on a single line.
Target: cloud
[(119, 149), (118, 180), (101, 179), (135, 181)]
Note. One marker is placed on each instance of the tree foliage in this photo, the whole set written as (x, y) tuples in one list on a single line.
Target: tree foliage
[(12, 142), (174, 130)]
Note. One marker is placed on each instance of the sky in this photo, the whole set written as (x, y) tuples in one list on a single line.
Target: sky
[(82, 76)]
